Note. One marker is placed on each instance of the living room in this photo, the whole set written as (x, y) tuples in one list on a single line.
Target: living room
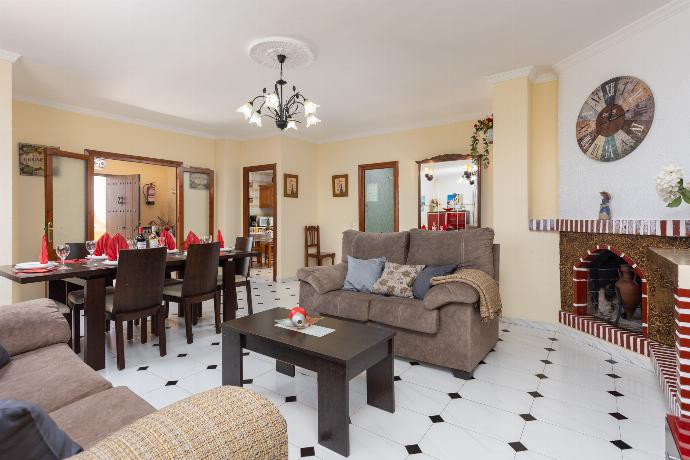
[(534, 154)]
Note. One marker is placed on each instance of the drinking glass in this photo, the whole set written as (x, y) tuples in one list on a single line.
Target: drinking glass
[(131, 244), (90, 248), (62, 250)]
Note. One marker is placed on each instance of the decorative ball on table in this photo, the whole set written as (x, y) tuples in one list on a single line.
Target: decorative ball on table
[(298, 316)]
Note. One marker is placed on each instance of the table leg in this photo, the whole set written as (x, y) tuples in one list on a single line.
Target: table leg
[(94, 334), (232, 358), (334, 407), (229, 290), (380, 386)]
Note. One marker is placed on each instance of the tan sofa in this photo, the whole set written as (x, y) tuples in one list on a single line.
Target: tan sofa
[(445, 328), (228, 422)]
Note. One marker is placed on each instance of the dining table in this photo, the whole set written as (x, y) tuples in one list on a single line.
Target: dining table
[(96, 274)]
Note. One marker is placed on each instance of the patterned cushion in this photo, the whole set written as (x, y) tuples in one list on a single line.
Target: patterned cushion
[(397, 279)]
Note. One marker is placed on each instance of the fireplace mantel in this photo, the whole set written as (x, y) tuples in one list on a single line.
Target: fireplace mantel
[(656, 227)]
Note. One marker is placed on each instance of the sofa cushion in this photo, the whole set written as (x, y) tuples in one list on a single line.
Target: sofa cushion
[(51, 377), (466, 248), (455, 292), (397, 280), (344, 304), (84, 422), (403, 313), (4, 356), (41, 317), (362, 274), (423, 282), (324, 278), (365, 245), (26, 431)]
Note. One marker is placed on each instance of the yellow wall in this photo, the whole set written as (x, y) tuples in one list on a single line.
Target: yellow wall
[(7, 166), (543, 156), (75, 132)]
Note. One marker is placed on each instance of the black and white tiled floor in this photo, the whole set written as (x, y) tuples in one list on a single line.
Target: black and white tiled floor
[(546, 392)]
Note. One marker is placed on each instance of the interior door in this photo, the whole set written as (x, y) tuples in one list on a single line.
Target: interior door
[(378, 197), (122, 204), (65, 198)]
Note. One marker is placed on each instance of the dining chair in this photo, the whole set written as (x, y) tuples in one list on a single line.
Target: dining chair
[(242, 270), (138, 295), (312, 239), (199, 284), (74, 290)]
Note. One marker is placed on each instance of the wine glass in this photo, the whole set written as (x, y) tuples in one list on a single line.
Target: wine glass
[(131, 243), (90, 248), (62, 250)]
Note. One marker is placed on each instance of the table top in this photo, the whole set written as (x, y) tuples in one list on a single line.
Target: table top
[(99, 270), (347, 341)]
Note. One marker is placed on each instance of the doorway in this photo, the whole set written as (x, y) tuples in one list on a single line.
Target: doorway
[(260, 215), (378, 197)]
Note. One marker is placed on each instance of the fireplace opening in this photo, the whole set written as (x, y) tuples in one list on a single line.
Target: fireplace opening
[(614, 291)]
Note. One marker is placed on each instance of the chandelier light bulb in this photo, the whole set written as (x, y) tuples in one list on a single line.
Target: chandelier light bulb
[(246, 109), (312, 120), (310, 108), (291, 125), (256, 119), (271, 101)]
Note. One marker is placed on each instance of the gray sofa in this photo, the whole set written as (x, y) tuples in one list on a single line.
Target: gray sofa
[(445, 328)]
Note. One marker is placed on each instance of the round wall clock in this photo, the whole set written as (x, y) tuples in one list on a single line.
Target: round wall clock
[(615, 118)]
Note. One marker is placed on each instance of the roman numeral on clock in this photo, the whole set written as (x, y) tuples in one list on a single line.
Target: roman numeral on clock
[(610, 88), (587, 141), (636, 128)]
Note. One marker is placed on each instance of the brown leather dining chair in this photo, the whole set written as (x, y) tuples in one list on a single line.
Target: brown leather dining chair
[(138, 295), (242, 270), (199, 284), (74, 296), (312, 239)]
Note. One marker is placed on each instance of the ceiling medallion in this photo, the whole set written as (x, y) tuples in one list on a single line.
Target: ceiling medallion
[(273, 103)]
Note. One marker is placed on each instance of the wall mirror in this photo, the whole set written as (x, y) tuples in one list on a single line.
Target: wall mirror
[(449, 193), (198, 187)]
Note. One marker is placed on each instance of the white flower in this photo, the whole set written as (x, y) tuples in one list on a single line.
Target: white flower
[(667, 183)]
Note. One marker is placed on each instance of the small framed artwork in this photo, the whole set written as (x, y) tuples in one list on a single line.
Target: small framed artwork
[(340, 185), (31, 157), (198, 181), (291, 185)]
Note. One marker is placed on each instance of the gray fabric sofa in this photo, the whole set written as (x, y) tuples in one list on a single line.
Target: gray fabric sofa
[(445, 328)]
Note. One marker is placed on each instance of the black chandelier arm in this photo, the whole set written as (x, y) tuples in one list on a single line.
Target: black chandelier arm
[(296, 105), (257, 97)]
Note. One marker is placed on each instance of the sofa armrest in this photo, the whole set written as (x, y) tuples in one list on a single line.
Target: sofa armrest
[(30, 325), (325, 278), (228, 422), (452, 292)]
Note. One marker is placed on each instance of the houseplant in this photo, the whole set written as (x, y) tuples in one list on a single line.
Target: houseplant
[(483, 132), (670, 188)]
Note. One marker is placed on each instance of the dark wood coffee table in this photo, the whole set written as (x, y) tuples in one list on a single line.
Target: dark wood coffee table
[(336, 358)]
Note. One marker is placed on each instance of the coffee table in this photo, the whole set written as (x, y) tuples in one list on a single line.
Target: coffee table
[(336, 358)]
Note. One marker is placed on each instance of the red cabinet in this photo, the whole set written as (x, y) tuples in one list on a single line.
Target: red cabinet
[(453, 220)]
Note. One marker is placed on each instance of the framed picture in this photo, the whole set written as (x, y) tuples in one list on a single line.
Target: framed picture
[(340, 188), (31, 159), (198, 181), (291, 185)]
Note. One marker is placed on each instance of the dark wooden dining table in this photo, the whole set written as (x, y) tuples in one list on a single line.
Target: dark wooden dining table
[(96, 274)]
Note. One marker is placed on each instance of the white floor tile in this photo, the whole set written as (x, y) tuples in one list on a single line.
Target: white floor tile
[(642, 436), (171, 367), (301, 423), (445, 441), (202, 381), (586, 421), (498, 396), (365, 445), (578, 396), (503, 376), (404, 426), (165, 396), (564, 444), (419, 399), (481, 418), (433, 377)]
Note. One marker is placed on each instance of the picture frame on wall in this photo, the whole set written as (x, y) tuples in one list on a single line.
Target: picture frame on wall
[(340, 186), (290, 185), (198, 181), (32, 159)]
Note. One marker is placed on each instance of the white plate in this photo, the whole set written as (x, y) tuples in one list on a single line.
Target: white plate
[(97, 257), (31, 265), (110, 262), (173, 251), (227, 248)]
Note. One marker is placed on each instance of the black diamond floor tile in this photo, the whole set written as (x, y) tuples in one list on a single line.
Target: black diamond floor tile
[(247, 381), (436, 418), (505, 330), (622, 445), (553, 339), (500, 339), (541, 376), (535, 394), (616, 393), (170, 383), (245, 353), (618, 416), (545, 361), (142, 368), (182, 355), (212, 366), (528, 417), (414, 363), (614, 376), (550, 349), (413, 449), (307, 452), (397, 378), (454, 395), (215, 343), (290, 398), (611, 361), (517, 446)]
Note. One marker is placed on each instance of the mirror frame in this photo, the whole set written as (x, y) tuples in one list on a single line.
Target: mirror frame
[(442, 159)]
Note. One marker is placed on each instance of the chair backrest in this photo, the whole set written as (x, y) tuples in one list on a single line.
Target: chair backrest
[(242, 266), (77, 251), (139, 278), (201, 270), (312, 238)]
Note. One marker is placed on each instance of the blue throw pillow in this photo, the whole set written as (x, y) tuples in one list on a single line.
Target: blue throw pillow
[(423, 282), (28, 432), (362, 274)]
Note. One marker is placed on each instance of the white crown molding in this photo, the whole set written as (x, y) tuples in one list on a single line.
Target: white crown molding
[(9, 56), (645, 22), (115, 117), (545, 77), (511, 75)]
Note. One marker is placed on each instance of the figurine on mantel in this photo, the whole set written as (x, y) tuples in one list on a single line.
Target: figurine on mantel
[(604, 209)]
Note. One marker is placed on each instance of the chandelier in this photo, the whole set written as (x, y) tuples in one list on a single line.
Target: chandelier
[(272, 104)]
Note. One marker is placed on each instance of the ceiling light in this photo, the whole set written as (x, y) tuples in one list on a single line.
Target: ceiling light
[(279, 107)]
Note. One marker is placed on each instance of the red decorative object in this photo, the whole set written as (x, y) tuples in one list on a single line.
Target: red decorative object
[(44, 251), (298, 316), (453, 220)]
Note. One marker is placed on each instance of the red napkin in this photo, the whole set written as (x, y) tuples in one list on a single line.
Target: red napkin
[(169, 240), (191, 239), (220, 239), (102, 244), (44, 251), (117, 243)]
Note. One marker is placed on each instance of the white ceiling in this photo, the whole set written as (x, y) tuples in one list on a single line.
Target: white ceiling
[(381, 65)]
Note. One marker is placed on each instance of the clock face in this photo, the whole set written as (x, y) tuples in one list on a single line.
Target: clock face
[(615, 118)]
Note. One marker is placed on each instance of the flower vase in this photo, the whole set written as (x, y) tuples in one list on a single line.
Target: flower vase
[(628, 291)]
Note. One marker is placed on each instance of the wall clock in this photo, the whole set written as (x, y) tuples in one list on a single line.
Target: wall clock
[(615, 118)]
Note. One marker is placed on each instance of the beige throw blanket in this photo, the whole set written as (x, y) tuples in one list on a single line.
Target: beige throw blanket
[(486, 286)]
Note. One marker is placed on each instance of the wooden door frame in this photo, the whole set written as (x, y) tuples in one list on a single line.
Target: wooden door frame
[(49, 214), (92, 154), (362, 192), (443, 159), (245, 205), (211, 195)]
